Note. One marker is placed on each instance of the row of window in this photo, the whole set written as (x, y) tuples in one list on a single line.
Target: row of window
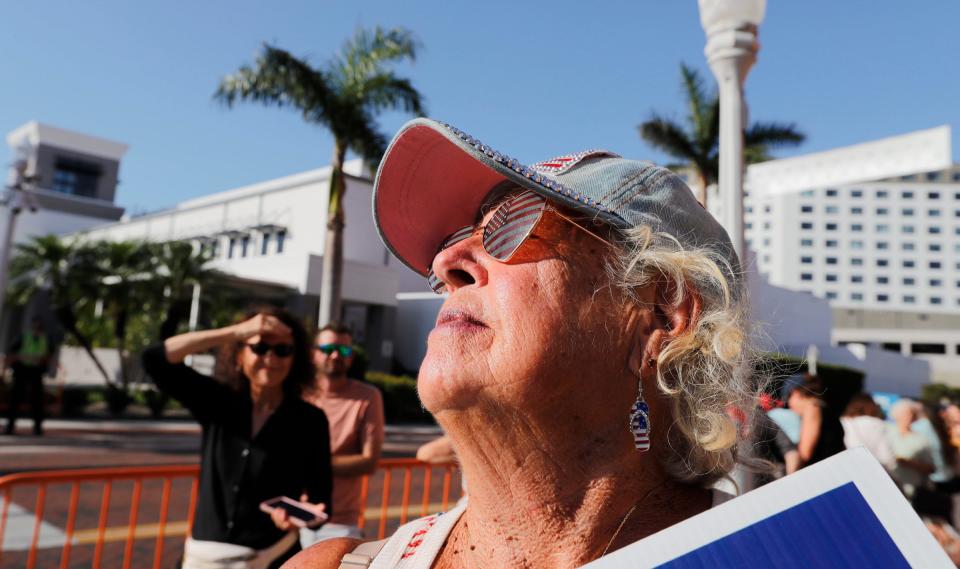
[(881, 194), (858, 262), (243, 245), (915, 348), (885, 246), (884, 298), (880, 280), (858, 227), (858, 210)]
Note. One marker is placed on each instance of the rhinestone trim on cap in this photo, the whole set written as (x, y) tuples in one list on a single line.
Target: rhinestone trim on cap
[(524, 171), (561, 164)]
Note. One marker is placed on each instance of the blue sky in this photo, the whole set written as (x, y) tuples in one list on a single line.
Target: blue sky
[(533, 79)]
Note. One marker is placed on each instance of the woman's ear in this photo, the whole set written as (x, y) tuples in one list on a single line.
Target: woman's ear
[(667, 321)]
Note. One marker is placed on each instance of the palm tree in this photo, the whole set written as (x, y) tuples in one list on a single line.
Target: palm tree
[(62, 269), (698, 142), (178, 267), (343, 95)]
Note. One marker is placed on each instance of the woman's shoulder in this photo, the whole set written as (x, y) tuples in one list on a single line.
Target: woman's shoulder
[(308, 411), (326, 554)]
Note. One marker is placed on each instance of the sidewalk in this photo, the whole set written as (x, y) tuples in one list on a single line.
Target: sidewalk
[(85, 443)]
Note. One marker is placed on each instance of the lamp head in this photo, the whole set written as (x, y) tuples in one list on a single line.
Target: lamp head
[(731, 13)]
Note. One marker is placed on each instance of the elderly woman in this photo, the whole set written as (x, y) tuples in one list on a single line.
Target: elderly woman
[(585, 361), (260, 439)]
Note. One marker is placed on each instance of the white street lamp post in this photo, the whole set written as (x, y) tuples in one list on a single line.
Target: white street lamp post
[(16, 200), (731, 28)]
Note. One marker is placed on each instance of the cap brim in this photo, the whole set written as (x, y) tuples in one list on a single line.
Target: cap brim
[(432, 181), (427, 186)]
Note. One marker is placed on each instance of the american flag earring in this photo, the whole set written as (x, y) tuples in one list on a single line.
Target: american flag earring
[(640, 420)]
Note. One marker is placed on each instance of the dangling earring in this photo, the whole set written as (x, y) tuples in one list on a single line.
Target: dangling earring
[(640, 420)]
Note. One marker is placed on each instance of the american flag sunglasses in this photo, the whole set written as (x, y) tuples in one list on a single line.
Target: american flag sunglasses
[(509, 226)]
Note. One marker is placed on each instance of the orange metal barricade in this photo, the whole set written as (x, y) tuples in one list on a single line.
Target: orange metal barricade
[(68, 498)]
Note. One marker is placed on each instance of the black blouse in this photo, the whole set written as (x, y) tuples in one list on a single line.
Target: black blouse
[(290, 454)]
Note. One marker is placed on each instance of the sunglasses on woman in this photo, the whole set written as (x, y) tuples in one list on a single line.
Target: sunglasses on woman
[(279, 350), (345, 350), (506, 230)]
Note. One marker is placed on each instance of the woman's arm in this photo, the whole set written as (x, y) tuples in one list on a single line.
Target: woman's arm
[(810, 420), (179, 347)]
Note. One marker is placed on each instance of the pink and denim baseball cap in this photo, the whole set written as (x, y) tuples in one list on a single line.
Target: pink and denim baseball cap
[(434, 178)]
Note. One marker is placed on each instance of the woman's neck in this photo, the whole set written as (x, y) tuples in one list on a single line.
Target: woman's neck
[(265, 399), (540, 501)]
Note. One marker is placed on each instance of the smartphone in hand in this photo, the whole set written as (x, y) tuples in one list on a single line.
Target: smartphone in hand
[(300, 514)]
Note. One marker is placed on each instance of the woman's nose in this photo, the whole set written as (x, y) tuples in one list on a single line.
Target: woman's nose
[(461, 265)]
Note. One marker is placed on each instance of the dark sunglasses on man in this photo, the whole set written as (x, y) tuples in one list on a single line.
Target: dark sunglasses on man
[(345, 350), (279, 350)]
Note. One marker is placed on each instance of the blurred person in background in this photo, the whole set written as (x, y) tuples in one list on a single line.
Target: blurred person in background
[(912, 450), (28, 357), (864, 425), (936, 498), (260, 440), (355, 412), (821, 433)]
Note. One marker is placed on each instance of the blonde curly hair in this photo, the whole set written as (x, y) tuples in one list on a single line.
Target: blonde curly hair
[(705, 373)]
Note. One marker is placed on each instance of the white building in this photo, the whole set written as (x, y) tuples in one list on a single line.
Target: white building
[(875, 230)]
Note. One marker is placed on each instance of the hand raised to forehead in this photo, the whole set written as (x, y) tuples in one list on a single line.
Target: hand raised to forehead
[(263, 325)]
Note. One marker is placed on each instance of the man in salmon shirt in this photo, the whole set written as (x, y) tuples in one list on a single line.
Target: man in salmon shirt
[(355, 412)]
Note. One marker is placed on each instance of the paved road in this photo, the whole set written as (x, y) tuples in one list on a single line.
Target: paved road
[(79, 444)]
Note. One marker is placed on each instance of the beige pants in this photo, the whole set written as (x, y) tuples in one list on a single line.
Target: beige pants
[(199, 554)]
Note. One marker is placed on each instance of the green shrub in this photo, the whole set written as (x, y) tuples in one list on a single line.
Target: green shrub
[(936, 392), (400, 400)]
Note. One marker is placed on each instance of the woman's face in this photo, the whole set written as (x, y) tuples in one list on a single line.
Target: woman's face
[(538, 332), (267, 370)]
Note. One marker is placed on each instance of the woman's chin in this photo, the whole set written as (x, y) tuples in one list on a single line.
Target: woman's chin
[(442, 387)]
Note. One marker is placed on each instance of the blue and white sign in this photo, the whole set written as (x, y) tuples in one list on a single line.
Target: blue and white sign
[(842, 512)]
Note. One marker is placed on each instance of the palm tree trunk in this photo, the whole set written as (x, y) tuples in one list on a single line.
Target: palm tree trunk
[(701, 189), (69, 321), (332, 278)]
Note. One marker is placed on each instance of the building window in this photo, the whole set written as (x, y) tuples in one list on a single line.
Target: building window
[(810, 194), (935, 230), (832, 209), (933, 212), (856, 193), (831, 243), (907, 195), (908, 281), (806, 260), (907, 229), (882, 211), (933, 195), (232, 247), (882, 193), (909, 299), (908, 264), (806, 225), (856, 210), (933, 247), (265, 244), (831, 193), (883, 245), (76, 178), (883, 280), (891, 346), (882, 298), (932, 176), (806, 242), (934, 264), (281, 240), (956, 213), (831, 227), (856, 278), (907, 212), (831, 278), (882, 262), (856, 296), (928, 348), (936, 300), (244, 245), (856, 227), (831, 260), (806, 209), (214, 248), (882, 228), (831, 295), (856, 261), (806, 276), (935, 282), (907, 246)]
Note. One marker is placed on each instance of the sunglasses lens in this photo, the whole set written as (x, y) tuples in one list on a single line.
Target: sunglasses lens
[(511, 224), (259, 348), (346, 351), (283, 350)]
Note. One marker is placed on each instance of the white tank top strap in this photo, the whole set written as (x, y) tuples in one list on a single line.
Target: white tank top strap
[(415, 545)]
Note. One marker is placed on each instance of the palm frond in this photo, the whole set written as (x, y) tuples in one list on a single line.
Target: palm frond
[(669, 137), (386, 91), (772, 134), (698, 100)]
